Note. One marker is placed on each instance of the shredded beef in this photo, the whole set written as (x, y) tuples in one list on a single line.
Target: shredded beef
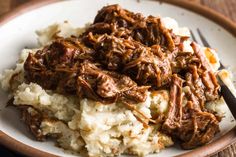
[(189, 123), (192, 123), (56, 66), (106, 86), (148, 31), (145, 65), (32, 119), (120, 57), (64, 66)]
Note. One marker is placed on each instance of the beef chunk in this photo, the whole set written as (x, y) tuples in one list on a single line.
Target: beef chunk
[(148, 31), (32, 119), (189, 123), (145, 65), (108, 87), (56, 66)]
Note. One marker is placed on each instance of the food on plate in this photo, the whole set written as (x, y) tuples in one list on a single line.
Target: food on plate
[(125, 84)]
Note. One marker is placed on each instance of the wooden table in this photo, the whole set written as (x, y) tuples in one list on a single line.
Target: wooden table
[(226, 7)]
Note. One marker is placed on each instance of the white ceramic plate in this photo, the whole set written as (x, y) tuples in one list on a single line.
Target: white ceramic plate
[(20, 32)]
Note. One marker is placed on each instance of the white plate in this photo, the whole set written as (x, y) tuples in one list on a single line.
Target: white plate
[(20, 32)]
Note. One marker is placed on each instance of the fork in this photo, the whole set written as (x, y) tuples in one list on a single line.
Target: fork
[(228, 96)]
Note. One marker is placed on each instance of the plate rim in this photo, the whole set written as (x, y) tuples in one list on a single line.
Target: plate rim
[(206, 12), (206, 150)]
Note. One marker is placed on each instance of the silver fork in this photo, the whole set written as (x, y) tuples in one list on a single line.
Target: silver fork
[(228, 96)]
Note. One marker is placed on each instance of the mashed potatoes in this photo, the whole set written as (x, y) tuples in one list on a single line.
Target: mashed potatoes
[(104, 130)]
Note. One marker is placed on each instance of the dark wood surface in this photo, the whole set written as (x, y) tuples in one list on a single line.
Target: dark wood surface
[(225, 7)]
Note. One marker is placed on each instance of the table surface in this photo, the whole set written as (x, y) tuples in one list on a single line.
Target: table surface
[(225, 7)]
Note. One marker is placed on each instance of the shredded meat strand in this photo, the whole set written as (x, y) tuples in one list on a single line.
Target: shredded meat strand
[(174, 116), (33, 120)]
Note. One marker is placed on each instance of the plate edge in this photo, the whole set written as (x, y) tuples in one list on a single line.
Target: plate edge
[(206, 12), (228, 25)]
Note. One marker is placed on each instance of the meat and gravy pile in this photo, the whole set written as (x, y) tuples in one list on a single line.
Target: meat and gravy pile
[(112, 81)]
